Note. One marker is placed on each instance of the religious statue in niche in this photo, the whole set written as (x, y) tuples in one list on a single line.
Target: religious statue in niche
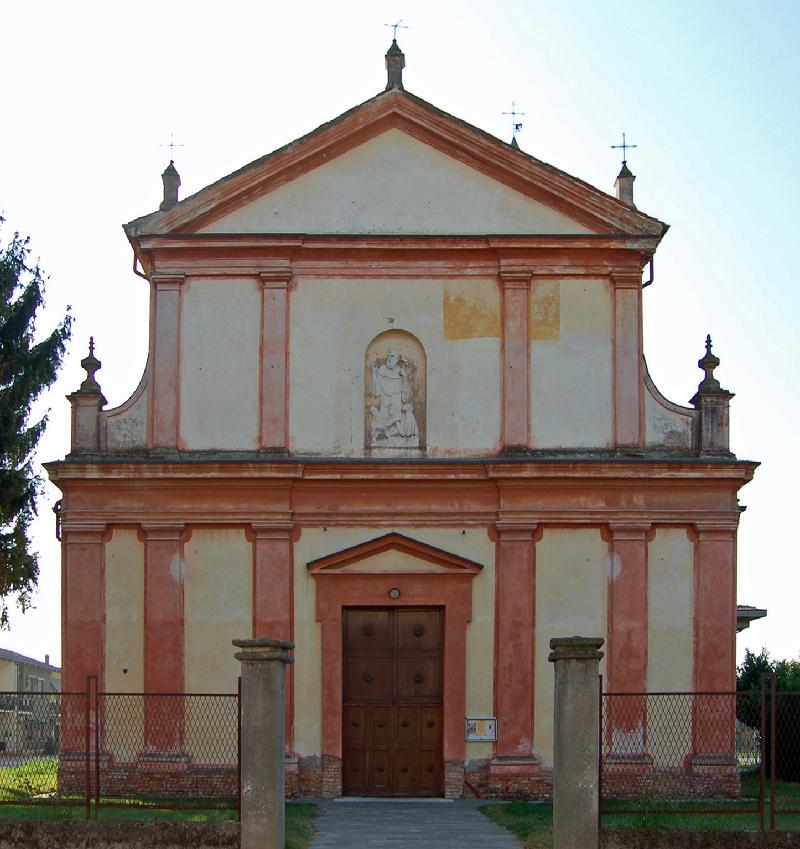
[(395, 392)]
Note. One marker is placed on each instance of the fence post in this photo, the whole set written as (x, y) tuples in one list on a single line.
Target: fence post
[(262, 741), (576, 739)]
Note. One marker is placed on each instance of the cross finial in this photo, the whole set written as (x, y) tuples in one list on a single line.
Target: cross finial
[(172, 145), (516, 126), (395, 27), (624, 147)]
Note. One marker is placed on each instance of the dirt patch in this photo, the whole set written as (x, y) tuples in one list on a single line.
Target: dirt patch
[(117, 835), (629, 838)]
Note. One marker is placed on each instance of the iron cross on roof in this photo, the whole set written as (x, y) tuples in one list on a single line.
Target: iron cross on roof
[(395, 27), (172, 145), (516, 125), (624, 148)]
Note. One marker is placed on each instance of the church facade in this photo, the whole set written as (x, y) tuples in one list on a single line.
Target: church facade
[(396, 410)]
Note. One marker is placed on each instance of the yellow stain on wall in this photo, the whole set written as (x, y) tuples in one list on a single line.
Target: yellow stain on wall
[(544, 317), (471, 310)]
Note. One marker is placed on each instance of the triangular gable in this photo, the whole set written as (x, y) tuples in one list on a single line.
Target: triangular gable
[(365, 558), (394, 184), (569, 204)]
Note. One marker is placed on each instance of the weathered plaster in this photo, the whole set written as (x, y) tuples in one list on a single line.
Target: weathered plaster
[(126, 425), (219, 364), (394, 184), (571, 591), (544, 319), (471, 309), (572, 371)]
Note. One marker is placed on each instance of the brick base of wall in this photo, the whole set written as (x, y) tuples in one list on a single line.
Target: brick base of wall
[(321, 777), (697, 781)]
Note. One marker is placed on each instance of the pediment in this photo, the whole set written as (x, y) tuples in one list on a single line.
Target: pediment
[(393, 553), (396, 165)]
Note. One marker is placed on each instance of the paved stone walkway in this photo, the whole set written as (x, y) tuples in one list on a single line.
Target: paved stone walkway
[(433, 824)]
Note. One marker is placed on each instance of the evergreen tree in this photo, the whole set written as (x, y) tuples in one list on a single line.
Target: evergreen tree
[(27, 368)]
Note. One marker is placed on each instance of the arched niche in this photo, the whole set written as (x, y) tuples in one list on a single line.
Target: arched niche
[(395, 392)]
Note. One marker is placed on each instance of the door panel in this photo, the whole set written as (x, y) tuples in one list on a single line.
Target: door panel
[(392, 712)]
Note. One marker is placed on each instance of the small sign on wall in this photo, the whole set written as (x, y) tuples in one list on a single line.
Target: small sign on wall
[(481, 729)]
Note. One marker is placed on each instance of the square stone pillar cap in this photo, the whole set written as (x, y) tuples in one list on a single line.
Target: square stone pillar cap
[(575, 648), (264, 648)]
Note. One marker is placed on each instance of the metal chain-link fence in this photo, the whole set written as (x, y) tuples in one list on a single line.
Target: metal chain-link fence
[(703, 753)]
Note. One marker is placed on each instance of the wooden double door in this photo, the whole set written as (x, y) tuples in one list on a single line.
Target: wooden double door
[(392, 693)]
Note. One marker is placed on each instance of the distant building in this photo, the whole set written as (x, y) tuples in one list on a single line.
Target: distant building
[(28, 720)]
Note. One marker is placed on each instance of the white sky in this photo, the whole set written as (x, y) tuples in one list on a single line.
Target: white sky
[(708, 91)]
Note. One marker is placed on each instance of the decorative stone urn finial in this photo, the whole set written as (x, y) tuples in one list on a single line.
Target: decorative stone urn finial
[(172, 181), (91, 365), (713, 402), (87, 402), (709, 362), (395, 62)]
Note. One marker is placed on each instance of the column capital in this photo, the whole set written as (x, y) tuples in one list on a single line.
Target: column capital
[(575, 648), (626, 278), (275, 278), (264, 649), (513, 278), (167, 282), (164, 531), (79, 530), (723, 531), (632, 530), (270, 530), (530, 531)]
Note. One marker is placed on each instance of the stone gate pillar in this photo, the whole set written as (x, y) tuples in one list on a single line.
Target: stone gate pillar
[(262, 789), (576, 739)]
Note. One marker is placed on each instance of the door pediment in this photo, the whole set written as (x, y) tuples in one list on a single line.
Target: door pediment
[(393, 553)]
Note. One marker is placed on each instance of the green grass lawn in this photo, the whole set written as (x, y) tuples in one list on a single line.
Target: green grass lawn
[(37, 780), (533, 821)]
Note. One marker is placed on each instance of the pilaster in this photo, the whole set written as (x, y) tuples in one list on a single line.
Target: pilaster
[(628, 378), (273, 596), (274, 346), (164, 572), (515, 603), (166, 359), (516, 359)]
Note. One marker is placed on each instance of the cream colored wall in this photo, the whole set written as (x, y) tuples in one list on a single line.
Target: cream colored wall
[(218, 604), (670, 641), (394, 184), (571, 364), (8, 676), (217, 607), (315, 543), (124, 599), (328, 344), (670, 610), (571, 590), (124, 612), (219, 363)]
